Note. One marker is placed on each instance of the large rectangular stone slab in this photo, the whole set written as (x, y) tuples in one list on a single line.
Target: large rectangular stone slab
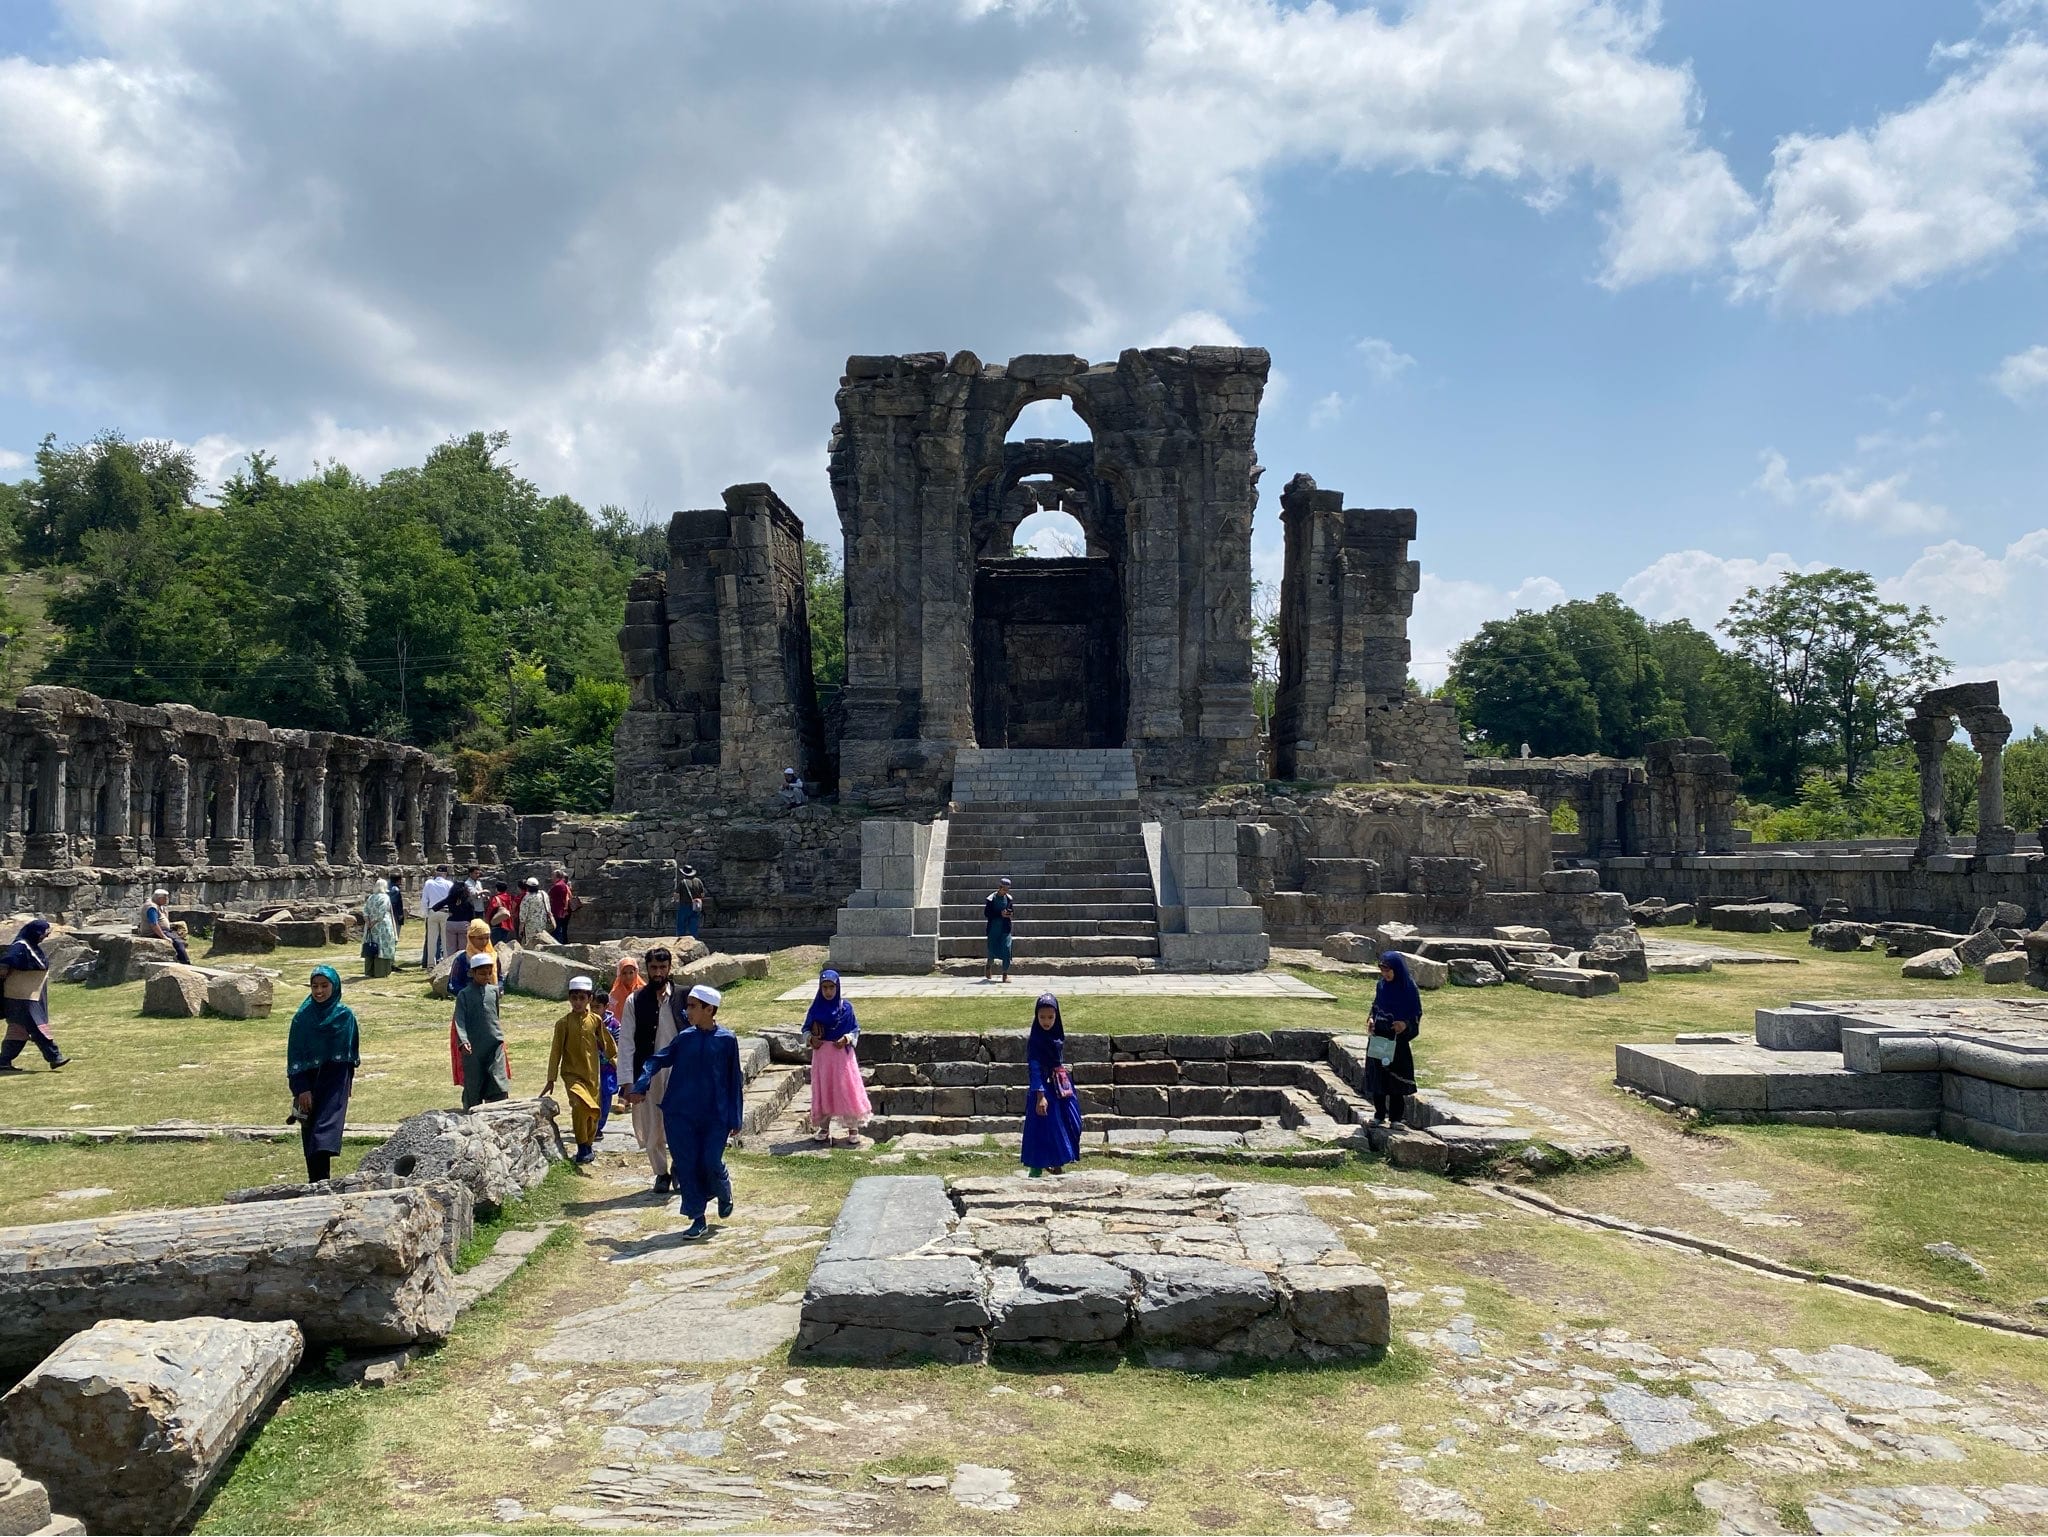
[(128, 1423), (885, 1216)]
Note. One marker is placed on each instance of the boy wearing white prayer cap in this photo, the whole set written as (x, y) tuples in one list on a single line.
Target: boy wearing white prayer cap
[(702, 1106), (582, 1047)]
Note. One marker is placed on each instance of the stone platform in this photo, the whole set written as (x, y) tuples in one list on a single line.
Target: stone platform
[(1976, 1070), (1023, 987), (1192, 1269)]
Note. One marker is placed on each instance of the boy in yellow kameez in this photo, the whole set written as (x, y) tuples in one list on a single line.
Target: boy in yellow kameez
[(582, 1047)]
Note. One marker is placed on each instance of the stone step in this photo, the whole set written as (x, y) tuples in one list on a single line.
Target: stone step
[(1124, 894), (1048, 813), (1024, 949), (1050, 845), (1074, 872), (1039, 910), (1052, 928)]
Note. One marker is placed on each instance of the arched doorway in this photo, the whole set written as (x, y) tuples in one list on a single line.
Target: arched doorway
[(1049, 666)]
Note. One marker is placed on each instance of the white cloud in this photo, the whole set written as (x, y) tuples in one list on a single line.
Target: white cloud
[(1943, 186), (2024, 374), (645, 251), (1383, 360), (1448, 612), (1327, 411), (1699, 586), (1990, 606), (11, 461), (1852, 495)]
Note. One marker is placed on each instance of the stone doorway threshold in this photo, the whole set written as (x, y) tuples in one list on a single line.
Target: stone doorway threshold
[(1258, 984)]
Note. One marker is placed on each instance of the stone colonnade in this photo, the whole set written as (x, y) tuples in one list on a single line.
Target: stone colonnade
[(1934, 722), (1609, 796), (100, 782), (1691, 789)]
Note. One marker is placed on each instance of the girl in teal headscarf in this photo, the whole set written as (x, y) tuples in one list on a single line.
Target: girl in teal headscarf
[(321, 1055)]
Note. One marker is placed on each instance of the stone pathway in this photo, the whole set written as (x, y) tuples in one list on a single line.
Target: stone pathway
[(1256, 984)]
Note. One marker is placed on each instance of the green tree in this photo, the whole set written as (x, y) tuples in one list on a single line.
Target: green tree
[(825, 600), (1515, 681), (108, 484), (1838, 667), (2026, 781)]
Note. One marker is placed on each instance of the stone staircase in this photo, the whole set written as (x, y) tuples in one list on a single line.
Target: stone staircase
[(1065, 826)]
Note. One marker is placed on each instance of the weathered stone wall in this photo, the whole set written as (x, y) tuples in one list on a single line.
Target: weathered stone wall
[(1945, 890), (777, 880), (717, 651), (1346, 592), (1609, 796), (919, 442), (102, 801)]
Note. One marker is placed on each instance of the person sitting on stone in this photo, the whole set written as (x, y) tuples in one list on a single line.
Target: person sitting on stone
[(27, 988), (792, 792), (156, 924)]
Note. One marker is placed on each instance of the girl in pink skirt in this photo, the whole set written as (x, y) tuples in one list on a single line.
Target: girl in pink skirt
[(836, 1090)]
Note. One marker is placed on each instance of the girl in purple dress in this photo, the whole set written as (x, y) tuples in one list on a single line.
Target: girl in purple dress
[(1052, 1112)]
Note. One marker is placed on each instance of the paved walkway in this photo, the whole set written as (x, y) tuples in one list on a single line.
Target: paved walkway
[(1258, 984)]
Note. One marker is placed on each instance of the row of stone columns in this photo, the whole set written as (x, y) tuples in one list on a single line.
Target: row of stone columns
[(1932, 727)]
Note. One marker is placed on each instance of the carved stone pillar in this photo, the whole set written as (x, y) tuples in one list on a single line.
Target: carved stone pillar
[(441, 824), (227, 846), (276, 840), (116, 845), (1930, 735), (1721, 814), (415, 849), (48, 847), (13, 772), (1989, 732), (385, 851), (346, 847), (312, 845), (176, 774)]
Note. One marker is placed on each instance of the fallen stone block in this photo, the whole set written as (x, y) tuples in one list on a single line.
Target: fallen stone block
[(1184, 1300), (497, 1152), (1355, 948), (174, 992), (24, 1503), (377, 1371), (1466, 972), (1999, 915), (2006, 966), (362, 1271), (1934, 965), (1569, 881), (1427, 974), (546, 974), (129, 1423), (243, 936), (1521, 934), (311, 933), (1407, 1149), (722, 970), (123, 957), (240, 994), (1841, 937), (1906, 940), (1572, 981), (1979, 947), (1761, 917)]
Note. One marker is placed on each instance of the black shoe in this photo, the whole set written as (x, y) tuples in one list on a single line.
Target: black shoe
[(724, 1204), (60, 1062), (661, 1184), (697, 1229), (9, 1067)]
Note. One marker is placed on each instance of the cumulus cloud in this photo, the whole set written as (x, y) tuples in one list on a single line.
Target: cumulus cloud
[(1327, 411), (1990, 607), (1943, 186), (1852, 495), (2024, 374), (1701, 587), (1449, 611), (11, 460), (645, 247), (1383, 360)]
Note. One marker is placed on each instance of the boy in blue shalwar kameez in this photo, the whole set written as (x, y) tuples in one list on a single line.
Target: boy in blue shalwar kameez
[(702, 1107)]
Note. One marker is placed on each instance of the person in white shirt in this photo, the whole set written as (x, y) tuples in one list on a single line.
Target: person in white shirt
[(434, 946)]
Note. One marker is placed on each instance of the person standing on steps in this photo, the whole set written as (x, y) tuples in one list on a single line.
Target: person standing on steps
[(27, 990), (1396, 1021), (689, 903), (653, 1016), (484, 1075), (836, 1090), (1000, 914), (581, 1050), (703, 1107), (322, 1051), (1052, 1110)]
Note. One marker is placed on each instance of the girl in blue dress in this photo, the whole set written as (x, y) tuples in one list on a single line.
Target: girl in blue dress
[(1052, 1112)]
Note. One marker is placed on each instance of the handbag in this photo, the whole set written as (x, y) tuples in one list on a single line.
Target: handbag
[(1381, 1049), (1063, 1083)]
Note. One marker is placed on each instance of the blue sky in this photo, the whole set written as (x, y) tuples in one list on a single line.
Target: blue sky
[(1660, 301)]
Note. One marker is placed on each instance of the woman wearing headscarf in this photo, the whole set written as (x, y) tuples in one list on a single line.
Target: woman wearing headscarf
[(836, 1089), (484, 1078), (1396, 1021), (321, 1054), (476, 941), (535, 921), (1052, 1110), (27, 991), (380, 934)]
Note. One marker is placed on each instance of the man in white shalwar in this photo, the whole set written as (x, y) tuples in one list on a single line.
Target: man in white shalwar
[(433, 944), (653, 1014)]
